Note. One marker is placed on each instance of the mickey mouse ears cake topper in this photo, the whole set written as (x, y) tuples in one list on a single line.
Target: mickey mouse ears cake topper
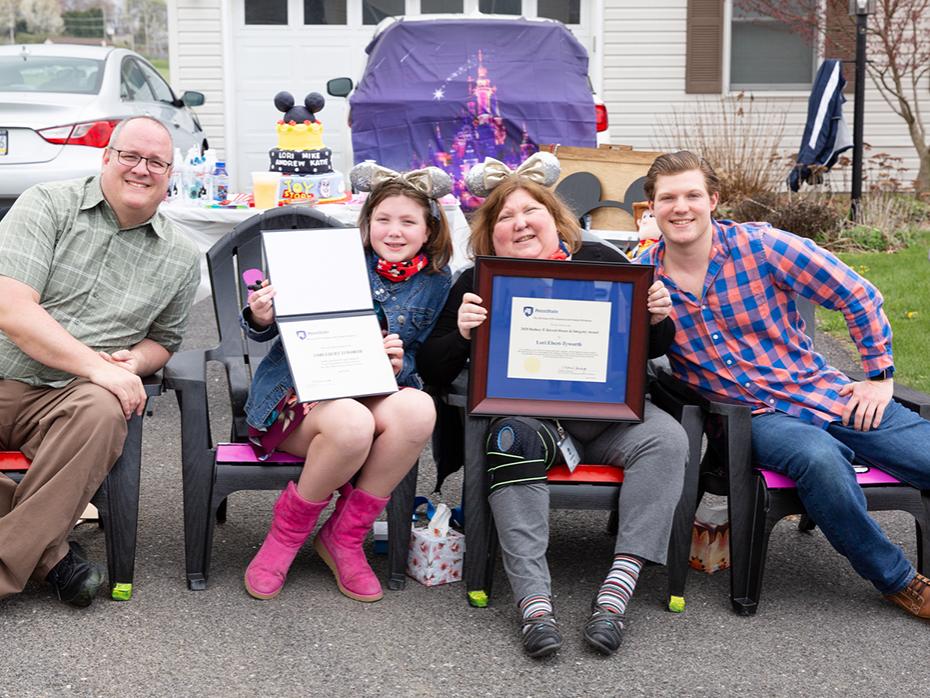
[(313, 102), (542, 168), (432, 181)]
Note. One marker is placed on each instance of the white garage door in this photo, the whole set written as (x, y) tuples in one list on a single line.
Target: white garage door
[(297, 45)]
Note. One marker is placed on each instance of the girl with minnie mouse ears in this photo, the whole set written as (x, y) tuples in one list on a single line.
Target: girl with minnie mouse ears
[(361, 447)]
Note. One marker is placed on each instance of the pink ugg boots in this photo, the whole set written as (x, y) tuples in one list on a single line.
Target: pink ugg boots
[(294, 519), (339, 543)]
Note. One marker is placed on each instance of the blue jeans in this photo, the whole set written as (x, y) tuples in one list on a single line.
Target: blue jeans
[(820, 462)]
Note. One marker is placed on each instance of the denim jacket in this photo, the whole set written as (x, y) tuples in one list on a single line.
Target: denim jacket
[(411, 308)]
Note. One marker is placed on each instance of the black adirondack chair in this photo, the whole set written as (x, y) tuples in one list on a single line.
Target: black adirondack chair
[(212, 471)]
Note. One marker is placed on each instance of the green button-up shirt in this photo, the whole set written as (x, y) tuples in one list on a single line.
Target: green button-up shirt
[(109, 288)]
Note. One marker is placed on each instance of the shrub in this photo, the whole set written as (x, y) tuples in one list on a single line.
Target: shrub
[(739, 142), (814, 217), (888, 222), (916, 210)]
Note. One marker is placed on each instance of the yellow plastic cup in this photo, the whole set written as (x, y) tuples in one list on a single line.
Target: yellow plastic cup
[(265, 188)]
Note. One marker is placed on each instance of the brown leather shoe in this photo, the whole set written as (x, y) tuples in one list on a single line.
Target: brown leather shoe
[(915, 597)]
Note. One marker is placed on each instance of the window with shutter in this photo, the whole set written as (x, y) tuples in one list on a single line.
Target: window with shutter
[(704, 52), (768, 51)]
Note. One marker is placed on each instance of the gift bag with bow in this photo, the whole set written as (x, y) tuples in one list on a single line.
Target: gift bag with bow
[(436, 551)]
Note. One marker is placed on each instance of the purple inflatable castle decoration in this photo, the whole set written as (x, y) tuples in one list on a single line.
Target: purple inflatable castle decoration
[(481, 133), (451, 93)]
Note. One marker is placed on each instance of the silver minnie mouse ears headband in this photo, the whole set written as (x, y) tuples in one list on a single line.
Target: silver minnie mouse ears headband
[(430, 180), (542, 168)]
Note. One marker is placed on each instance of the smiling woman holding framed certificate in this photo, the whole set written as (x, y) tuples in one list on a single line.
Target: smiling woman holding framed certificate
[(566, 336), (562, 340)]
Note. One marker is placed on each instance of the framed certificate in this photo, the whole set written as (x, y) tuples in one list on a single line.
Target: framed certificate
[(562, 339), (326, 318)]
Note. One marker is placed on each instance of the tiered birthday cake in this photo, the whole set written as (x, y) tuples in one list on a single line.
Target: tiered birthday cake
[(301, 157)]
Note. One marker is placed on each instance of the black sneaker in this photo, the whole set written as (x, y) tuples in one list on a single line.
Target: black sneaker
[(75, 579), (604, 630), (541, 636)]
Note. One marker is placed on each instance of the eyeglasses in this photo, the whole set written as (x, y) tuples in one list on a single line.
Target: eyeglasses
[(131, 159)]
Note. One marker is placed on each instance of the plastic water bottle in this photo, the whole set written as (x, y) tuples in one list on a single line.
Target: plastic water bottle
[(193, 179), (176, 183), (220, 182)]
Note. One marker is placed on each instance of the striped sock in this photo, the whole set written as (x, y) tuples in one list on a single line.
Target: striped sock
[(535, 605), (618, 587)]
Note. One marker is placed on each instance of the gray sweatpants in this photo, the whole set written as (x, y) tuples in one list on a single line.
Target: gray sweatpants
[(653, 455)]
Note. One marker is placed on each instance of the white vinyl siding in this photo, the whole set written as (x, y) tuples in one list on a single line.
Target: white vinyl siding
[(639, 69), (644, 82), (195, 52)]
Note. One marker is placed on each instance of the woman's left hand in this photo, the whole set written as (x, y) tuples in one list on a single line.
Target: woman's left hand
[(394, 348), (658, 303)]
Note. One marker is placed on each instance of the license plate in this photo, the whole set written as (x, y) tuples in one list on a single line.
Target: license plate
[(3, 141)]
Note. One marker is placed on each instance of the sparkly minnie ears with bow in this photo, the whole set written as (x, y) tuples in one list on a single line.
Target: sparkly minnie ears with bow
[(542, 168), (430, 180)]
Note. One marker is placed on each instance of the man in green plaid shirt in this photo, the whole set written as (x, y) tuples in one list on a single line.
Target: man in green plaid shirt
[(95, 289)]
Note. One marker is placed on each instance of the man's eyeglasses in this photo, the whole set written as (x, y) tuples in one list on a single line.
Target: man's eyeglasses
[(130, 159)]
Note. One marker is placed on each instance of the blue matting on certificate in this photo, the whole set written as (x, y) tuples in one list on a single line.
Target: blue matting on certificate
[(602, 383)]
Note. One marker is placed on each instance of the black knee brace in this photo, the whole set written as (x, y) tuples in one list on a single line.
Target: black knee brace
[(520, 450)]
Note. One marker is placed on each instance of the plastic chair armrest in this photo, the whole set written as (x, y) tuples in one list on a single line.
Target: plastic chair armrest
[(913, 399), (154, 384), (669, 399), (186, 375), (456, 393), (186, 367), (679, 391)]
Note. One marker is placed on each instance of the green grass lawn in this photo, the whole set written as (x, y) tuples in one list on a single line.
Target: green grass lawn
[(904, 280), (161, 65)]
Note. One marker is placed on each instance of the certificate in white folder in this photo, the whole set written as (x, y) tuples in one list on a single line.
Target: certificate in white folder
[(325, 315)]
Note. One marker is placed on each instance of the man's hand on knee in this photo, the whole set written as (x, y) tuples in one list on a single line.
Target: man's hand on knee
[(868, 400), (124, 384), (123, 358)]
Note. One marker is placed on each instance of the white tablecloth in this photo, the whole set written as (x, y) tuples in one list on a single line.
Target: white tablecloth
[(207, 225)]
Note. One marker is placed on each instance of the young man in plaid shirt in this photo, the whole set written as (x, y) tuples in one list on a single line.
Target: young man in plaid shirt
[(740, 335)]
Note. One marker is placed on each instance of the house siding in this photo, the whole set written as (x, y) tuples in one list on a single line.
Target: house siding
[(644, 87), (196, 58), (641, 79)]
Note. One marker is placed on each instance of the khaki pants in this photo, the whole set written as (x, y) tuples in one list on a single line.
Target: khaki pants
[(73, 436)]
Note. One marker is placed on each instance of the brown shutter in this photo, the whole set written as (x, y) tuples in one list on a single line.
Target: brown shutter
[(704, 54), (840, 39)]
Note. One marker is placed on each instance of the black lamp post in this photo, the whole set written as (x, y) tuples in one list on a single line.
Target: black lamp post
[(861, 9)]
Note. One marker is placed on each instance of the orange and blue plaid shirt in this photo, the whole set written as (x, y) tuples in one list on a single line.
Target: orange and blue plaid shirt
[(744, 337)]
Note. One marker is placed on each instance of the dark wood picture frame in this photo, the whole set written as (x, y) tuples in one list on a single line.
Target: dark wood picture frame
[(639, 276)]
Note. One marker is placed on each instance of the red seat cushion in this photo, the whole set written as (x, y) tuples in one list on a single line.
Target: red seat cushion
[(585, 474), (13, 460)]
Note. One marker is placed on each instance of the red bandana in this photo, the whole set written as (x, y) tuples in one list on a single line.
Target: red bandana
[(561, 252), (401, 271)]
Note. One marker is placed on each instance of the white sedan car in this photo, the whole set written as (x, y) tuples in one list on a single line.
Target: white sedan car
[(59, 104)]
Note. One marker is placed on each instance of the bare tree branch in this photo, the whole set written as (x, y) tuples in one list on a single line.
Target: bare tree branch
[(898, 37)]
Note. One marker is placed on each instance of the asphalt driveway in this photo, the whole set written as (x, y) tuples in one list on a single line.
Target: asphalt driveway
[(820, 629)]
